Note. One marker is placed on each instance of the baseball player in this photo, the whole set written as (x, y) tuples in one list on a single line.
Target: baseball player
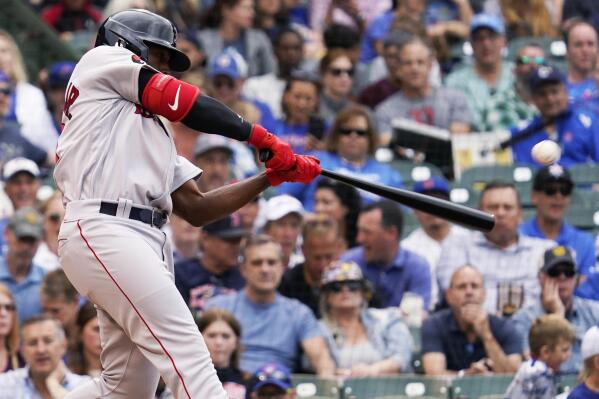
[(121, 177)]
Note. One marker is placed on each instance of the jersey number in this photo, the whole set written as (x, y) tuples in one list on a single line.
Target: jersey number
[(70, 97)]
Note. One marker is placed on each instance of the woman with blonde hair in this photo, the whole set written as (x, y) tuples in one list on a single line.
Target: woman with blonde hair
[(363, 341), (9, 332), (525, 18), (28, 105)]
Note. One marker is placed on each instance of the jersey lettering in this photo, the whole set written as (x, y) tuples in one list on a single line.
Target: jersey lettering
[(71, 95)]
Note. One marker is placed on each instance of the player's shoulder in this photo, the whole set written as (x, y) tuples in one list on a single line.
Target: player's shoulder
[(104, 55)]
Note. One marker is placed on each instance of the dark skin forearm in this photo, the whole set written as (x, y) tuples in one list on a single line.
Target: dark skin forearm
[(199, 208)]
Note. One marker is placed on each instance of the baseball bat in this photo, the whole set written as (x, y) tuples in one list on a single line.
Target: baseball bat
[(455, 213)]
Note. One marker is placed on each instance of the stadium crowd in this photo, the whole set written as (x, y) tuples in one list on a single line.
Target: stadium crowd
[(322, 278)]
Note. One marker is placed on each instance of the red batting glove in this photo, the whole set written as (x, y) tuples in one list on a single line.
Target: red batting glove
[(282, 158), (306, 169)]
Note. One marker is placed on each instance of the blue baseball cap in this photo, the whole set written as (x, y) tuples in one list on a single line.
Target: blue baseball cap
[(489, 21), (60, 73), (272, 374), (435, 184), (545, 74), (229, 63)]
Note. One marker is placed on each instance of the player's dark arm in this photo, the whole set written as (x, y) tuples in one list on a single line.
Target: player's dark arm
[(179, 101), (199, 208)]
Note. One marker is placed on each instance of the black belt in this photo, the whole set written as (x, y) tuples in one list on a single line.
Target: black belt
[(154, 218)]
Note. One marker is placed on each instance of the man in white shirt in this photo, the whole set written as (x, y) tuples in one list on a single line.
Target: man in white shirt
[(426, 241)]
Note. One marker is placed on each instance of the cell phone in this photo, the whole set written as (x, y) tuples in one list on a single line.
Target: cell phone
[(316, 126)]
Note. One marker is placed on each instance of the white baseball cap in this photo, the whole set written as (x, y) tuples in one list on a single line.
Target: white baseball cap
[(20, 164), (590, 343), (282, 205)]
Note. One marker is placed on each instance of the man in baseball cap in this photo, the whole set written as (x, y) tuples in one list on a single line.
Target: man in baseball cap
[(21, 181), (284, 216), (213, 154), (552, 194), (573, 128), (216, 270), (558, 277), (272, 381)]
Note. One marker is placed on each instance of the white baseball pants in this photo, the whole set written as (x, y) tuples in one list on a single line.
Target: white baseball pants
[(125, 267)]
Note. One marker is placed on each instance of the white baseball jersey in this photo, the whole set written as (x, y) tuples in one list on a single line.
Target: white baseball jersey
[(103, 121)]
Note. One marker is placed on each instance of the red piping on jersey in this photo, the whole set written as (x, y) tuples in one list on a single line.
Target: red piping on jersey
[(134, 308)]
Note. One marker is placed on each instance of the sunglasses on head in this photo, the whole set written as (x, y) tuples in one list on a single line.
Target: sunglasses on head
[(525, 60), (340, 71), (563, 190), (347, 132), (556, 272), (337, 286)]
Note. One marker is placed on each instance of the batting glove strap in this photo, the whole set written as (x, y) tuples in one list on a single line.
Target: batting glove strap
[(282, 158)]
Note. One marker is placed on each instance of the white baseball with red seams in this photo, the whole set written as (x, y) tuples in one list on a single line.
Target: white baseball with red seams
[(546, 152)]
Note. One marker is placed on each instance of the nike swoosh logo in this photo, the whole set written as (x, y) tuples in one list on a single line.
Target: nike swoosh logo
[(175, 105)]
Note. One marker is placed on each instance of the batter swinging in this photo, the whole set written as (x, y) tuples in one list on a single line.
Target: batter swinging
[(121, 177)]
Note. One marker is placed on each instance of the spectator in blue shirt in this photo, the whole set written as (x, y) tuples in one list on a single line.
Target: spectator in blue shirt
[(558, 278), (216, 271), (465, 339), (589, 386), (351, 144), (392, 270), (17, 271), (581, 42), (552, 193), (575, 130), (274, 328)]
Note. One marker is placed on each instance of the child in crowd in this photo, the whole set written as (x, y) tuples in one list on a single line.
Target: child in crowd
[(589, 376), (550, 338)]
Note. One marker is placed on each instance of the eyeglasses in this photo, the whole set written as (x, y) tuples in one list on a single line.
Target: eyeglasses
[(9, 307), (556, 272), (5, 90), (347, 132), (324, 222), (563, 190), (340, 71), (337, 286), (525, 60)]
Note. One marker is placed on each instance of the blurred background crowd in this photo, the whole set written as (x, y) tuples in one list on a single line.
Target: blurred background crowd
[(322, 278)]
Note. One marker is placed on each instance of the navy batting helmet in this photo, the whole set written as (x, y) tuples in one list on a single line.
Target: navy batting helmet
[(137, 29)]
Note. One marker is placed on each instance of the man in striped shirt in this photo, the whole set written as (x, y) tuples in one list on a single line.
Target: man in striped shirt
[(508, 261)]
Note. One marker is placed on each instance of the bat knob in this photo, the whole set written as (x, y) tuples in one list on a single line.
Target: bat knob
[(265, 155)]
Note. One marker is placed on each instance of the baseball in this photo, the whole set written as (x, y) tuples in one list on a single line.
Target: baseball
[(546, 152)]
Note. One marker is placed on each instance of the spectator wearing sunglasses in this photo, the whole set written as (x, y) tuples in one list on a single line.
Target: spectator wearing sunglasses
[(558, 278), (350, 145), (10, 358), (418, 100), (576, 130), (363, 341), (515, 104), (551, 194), (337, 78)]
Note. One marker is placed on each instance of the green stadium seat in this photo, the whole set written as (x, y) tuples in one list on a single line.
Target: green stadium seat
[(477, 176), (310, 386), (398, 386), (474, 387), (586, 175), (412, 172), (410, 223)]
